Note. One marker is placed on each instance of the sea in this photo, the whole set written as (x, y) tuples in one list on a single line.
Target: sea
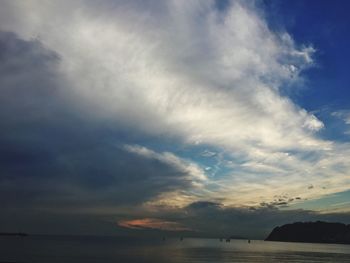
[(92, 249)]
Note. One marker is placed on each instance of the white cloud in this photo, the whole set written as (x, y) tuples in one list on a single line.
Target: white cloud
[(191, 169), (185, 70), (201, 75), (208, 153), (343, 114)]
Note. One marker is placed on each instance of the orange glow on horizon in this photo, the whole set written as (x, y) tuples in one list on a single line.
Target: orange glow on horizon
[(152, 223)]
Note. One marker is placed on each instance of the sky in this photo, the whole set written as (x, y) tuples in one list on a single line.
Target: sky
[(195, 118)]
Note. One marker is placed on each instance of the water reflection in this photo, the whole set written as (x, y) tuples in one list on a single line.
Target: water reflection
[(52, 249)]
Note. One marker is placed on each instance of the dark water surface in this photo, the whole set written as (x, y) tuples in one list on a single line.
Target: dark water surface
[(65, 249)]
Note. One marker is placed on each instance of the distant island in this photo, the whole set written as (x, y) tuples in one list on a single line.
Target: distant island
[(13, 234), (312, 232)]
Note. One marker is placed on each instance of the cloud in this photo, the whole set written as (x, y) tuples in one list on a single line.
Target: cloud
[(208, 153), (157, 78), (204, 205), (343, 114), (51, 154), (152, 223), (193, 170), (79, 78)]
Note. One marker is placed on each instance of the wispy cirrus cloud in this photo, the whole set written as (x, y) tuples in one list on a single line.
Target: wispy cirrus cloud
[(195, 172), (343, 114)]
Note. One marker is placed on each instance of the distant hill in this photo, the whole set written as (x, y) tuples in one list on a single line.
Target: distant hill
[(312, 232)]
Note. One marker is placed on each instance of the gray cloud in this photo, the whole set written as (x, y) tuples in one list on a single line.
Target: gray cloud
[(51, 156)]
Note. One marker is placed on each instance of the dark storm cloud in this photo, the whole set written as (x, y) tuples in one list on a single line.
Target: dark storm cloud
[(19, 55), (280, 201), (203, 205), (213, 219), (51, 155)]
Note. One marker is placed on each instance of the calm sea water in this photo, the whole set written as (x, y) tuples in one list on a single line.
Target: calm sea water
[(63, 249)]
